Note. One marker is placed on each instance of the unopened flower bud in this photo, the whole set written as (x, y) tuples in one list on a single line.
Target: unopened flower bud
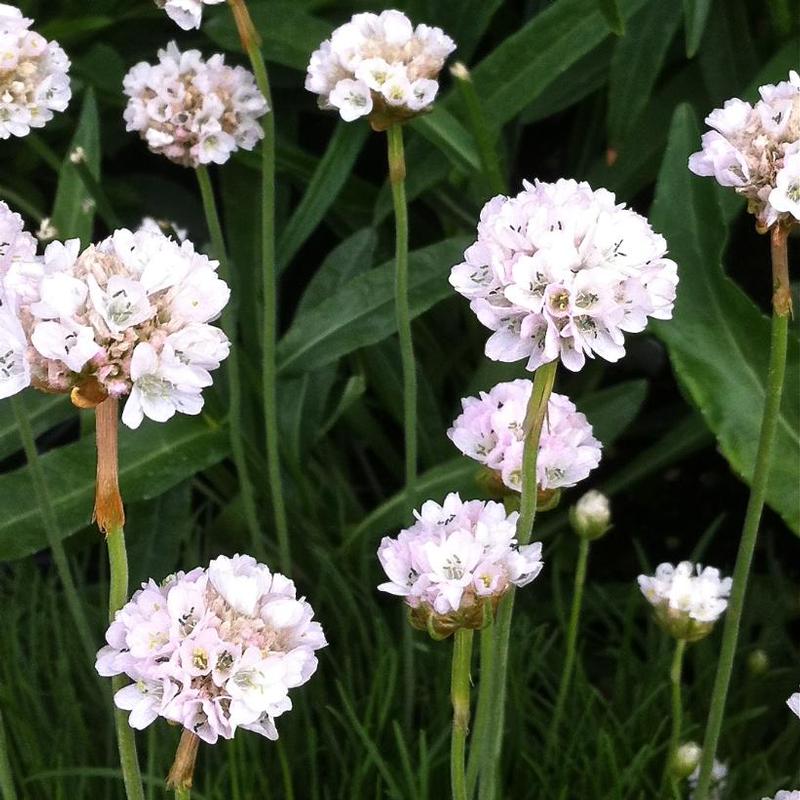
[(591, 515), (758, 663), (686, 759), (78, 155), (460, 72)]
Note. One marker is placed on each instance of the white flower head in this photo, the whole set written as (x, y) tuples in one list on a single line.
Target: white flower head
[(379, 66), (719, 780), (794, 703), (785, 795), (456, 562), (687, 599), (754, 150), (563, 272), (213, 650), (34, 76), (186, 14), (193, 111), (591, 515)]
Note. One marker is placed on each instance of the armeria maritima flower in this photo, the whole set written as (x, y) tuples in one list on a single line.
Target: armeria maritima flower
[(562, 271), (187, 14), (491, 430), (756, 150), (127, 317), (379, 66), (34, 75), (794, 703), (194, 111), (687, 599), (213, 649), (785, 795), (455, 558)]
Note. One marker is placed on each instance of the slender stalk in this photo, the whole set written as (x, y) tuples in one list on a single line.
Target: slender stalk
[(181, 773), (459, 695), (7, 790), (110, 518), (51, 527), (669, 782), (543, 381), (251, 43), (572, 639), (229, 323), (781, 311), (477, 750), (183, 794)]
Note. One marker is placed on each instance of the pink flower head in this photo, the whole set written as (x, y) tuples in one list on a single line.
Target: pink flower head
[(563, 272), (213, 649)]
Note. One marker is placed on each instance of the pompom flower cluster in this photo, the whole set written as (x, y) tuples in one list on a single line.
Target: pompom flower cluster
[(186, 14), (455, 558), (756, 150), (213, 649), (380, 66), (193, 111), (784, 795), (491, 430), (34, 75), (562, 271), (687, 599), (127, 317)]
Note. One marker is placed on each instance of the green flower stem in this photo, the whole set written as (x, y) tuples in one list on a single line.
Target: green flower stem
[(459, 695), (117, 597), (7, 790), (397, 176), (103, 205), (481, 132), (50, 522), (229, 323), (781, 312), (572, 639), (183, 794), (251, 44), (543, 380), (478, 748), (675, 677)]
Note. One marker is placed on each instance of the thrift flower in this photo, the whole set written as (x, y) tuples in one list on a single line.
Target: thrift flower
[(794, 703), (187, 14), (784, 795), (591, 515), (129, 316), (34, 75), (490, 429), (454, 560), (562, 271), (687, 599), (754, 149), (193, 111), (379, 66), (719, 779), (213, 649)]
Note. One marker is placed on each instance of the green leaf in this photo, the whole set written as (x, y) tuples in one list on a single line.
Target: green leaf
[(444, 131), (289, 34), (636, 64), (73, 210), (153, 459), (695, 14), (718, 340), (331, 173), (45, 411), (611, 410), (362, 311), (610, 9)]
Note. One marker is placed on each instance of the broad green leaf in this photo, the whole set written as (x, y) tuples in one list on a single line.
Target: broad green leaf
[(442, 129), (332, 171), (152, 460), (73, 210), (289, 34), (636, 64), (362, 311), (611, 410), (695, 16), (612, 12), (45, 411), (719, 340)]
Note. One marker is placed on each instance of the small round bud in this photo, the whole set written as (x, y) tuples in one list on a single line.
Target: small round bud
[(591, 515), (686, 759), (78, 155), (758, 663), (460, 72)]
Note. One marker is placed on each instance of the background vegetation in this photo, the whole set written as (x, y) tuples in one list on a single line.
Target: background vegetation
[(566, 96)]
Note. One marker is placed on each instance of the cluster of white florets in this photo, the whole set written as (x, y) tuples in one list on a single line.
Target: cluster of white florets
[(794, 703), (687, 599), (379, 65), (34, 75), (193, 111), (563, 272), (784, 795), (491, 430), (756, 150), (213, 649), (187, 14), (128, 316), (455, 557)]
